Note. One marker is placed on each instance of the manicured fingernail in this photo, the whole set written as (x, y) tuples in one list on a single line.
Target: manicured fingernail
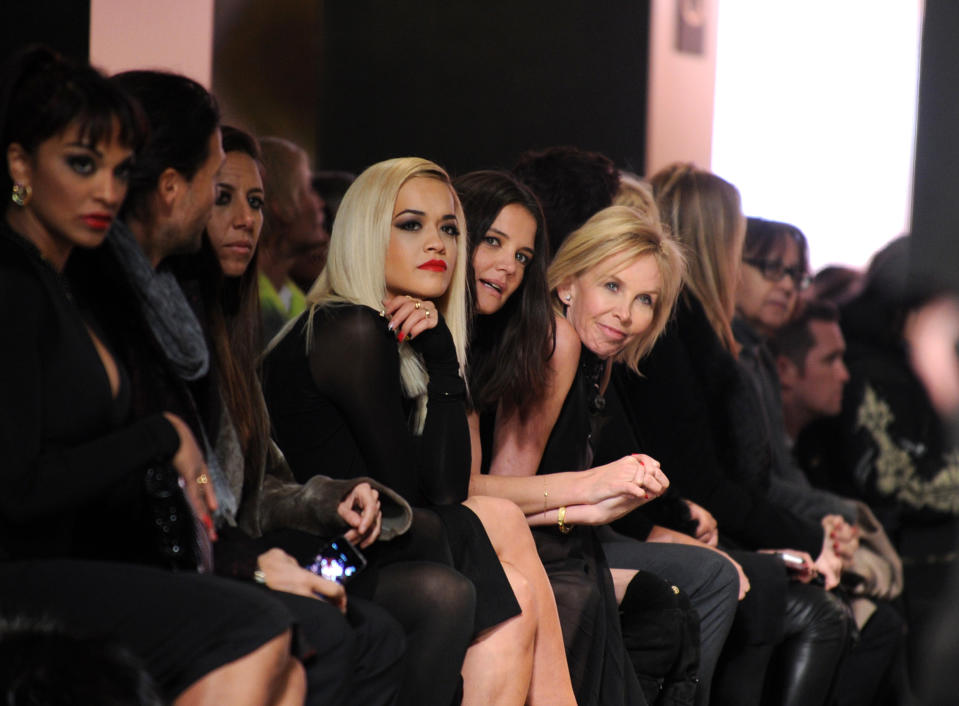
[(835, 545), (400, 336), (207, 522), (647, 496)]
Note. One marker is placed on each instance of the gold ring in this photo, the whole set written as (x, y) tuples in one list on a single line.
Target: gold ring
[(428, 312), (417, 305), (202, 479)]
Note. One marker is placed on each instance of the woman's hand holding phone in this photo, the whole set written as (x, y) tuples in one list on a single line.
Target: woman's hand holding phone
[(282, 573)]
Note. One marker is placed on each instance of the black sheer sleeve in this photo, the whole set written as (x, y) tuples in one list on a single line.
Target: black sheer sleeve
[(445, 443), (355, 411)]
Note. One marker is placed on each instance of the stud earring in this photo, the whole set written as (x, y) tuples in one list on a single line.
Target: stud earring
[(568, 298), (21, 194)]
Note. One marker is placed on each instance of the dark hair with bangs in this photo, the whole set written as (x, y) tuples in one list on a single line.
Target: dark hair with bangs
[(768, 238), (183, 116), (42, 94), (523, 330)]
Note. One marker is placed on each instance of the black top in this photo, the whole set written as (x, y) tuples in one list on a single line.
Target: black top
[(888, 446), (694, 412), (64, 452), (339, 408), (347, 408), (569, 447)]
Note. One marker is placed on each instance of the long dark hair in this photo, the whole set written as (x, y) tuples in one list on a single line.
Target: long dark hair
[(231, 308), (41, 93), (509, 350)]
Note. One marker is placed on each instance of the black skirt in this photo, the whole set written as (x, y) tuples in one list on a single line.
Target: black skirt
[(475, 558), (180, 626)]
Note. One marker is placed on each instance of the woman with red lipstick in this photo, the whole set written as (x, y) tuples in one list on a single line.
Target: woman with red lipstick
[(368, 381), (70, 453)]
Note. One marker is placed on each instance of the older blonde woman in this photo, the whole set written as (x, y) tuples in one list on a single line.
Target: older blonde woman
[(694, 410)]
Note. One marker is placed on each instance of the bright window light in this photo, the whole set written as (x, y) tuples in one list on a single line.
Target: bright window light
[(815, 113)]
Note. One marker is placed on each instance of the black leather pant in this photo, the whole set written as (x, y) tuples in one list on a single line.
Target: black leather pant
[(817, 629), (793, 662)]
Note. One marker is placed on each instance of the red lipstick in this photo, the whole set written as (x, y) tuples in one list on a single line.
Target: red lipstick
[(98, 221), (433, 266)]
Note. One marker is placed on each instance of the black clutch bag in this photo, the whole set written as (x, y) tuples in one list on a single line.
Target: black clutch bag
[(179, 539)]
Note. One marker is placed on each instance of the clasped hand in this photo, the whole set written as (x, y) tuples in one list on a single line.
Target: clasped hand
[(614, 489)]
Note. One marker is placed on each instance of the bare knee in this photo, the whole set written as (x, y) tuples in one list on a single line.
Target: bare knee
[(525, 596), (503, 520)]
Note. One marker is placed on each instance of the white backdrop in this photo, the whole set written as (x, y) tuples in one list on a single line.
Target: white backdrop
[(814, 117)]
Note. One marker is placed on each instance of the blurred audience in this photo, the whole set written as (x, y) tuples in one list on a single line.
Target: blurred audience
[(293, 228)]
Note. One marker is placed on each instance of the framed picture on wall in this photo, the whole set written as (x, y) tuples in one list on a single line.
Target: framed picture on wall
[(691, 26)]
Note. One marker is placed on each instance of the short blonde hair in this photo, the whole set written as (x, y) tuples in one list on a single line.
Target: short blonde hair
[(704, 213), (626, 234), (355, 271)]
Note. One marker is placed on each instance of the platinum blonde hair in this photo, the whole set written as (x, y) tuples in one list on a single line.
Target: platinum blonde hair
[(355, 271), (624, 235)]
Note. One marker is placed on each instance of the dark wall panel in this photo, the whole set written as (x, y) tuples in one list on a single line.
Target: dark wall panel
[(64, 26), (473, 84)]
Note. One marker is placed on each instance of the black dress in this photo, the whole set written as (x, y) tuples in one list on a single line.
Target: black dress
[(337, 407), (64, 452), (599, 665)]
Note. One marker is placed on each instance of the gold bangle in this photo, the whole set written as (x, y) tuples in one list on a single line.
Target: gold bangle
[(561, 521), (545, 498)]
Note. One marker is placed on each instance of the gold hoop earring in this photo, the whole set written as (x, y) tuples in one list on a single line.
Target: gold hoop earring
[(21, 194)]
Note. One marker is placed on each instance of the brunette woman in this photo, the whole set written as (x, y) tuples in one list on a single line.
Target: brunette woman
[(221, 283), (515, 322), (68, 137), (368, 381), (693, 409)]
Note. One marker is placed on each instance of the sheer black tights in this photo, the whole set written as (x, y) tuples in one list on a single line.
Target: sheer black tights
[(435, 606), (411, 578)]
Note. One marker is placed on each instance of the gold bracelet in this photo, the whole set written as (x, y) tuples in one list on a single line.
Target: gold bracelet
[(561, 521), (259, 577), (545, 497)]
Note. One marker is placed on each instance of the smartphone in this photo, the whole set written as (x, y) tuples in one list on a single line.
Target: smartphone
[(793, 562), (796, 565), (338, 561)]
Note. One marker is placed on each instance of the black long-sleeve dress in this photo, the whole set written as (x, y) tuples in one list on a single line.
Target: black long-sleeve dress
[(67, 455), (337, 406)]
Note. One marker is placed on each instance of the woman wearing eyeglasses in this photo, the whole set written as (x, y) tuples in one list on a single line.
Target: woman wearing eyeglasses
[(774, 270)]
